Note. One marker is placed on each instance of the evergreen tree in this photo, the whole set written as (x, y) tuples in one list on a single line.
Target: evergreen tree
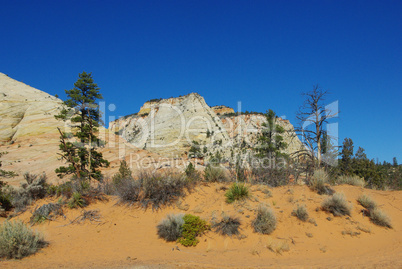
[(82, 111), (394, 162), (270, 141), (124, 173), (347, 156)]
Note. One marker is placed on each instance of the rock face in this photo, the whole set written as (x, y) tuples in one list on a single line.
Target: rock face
[(25, 111), (169, 127)]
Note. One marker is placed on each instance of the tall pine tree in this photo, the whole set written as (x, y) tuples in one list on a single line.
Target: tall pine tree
[(80, 153)]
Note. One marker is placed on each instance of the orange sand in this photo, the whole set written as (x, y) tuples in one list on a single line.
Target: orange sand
[(127, 236)]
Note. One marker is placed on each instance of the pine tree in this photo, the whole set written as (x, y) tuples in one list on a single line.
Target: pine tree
[(82, 111), (347, 156), (270, 141)]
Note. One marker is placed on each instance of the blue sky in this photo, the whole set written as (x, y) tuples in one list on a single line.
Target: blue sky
[(262, 53)]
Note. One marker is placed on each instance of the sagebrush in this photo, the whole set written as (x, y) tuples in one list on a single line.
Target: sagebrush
[(265, 221), (336, 205), (171, 227)]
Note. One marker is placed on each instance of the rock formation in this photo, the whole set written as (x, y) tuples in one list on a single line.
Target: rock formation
[(169, 127)]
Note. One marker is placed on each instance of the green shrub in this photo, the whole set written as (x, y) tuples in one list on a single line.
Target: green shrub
[(193, 226), (301, 213), (227, 226), (214, 173), (124, 173), (319, 181), (46, 212), (76, 200), (265, 222), (192, 174), (5, 196), (378, 217), (171, 227), (350, 180), (367, 202), (18, 241), (336, 205), (238, 191)]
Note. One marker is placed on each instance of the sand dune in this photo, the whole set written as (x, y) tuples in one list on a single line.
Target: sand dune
[(126, 236)]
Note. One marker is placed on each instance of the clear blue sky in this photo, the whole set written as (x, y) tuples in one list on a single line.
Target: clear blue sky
[(262, 53)]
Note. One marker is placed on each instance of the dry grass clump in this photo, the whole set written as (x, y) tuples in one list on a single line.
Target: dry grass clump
[(46, 212), (367, 202), (278, 246), (301, 213), (265, 222), (336, 205), (17, 240), (32, 189), (228, 225), (128, 190), (350, 180), (171, 227), (378, 217), (319, 182)]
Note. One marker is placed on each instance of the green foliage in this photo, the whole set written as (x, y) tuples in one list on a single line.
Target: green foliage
[(171, 227), (81, 109), (301, 213), (5, 197), (265, 222), (228, 225), (191, 173), (193, 226), (214, 173), (124, 173), (195, 150), (270, 142), (18, 241), (238, 191), (336, 205), (76, 200)]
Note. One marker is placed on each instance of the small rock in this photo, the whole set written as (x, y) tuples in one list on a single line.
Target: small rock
[(329, 218)]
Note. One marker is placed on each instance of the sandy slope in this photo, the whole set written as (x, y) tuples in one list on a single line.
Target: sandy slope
[(127, 235)]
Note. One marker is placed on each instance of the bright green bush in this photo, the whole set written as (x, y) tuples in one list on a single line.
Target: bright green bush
[(193, 226)]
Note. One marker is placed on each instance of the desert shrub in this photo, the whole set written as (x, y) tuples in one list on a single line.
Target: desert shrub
[(18, 241), (128, 190), (76, 200), (273, 177), (227, 226), (192, 174), (160, 189), (378, 217), (265, 222), (46, 212), (171, 227), (193, 226), (5, 196), (301, 213), (214, 173), (367, 202), (124, 173), (350, 180), (336, 205), (318, 182), (238, 191), (34, 188)]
